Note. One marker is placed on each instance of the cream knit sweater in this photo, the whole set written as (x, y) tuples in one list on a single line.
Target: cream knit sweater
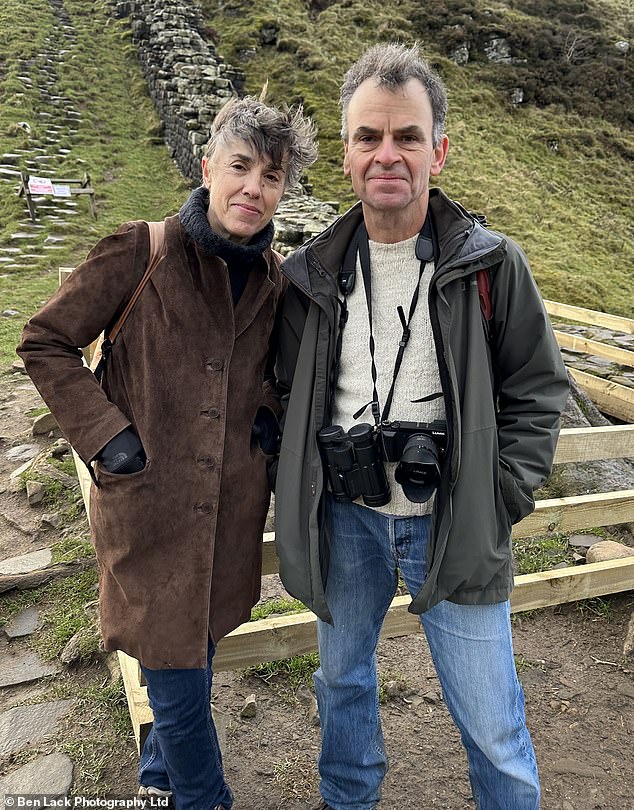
[(395, 270)]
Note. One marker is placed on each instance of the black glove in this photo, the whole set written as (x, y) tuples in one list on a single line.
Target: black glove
[(266, 430), (124, 454)]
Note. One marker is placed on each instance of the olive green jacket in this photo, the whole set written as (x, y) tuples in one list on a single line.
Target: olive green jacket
[(503, 398)]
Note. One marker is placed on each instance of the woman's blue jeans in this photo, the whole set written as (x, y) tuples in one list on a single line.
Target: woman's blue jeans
[(181, 752), (472, 650)]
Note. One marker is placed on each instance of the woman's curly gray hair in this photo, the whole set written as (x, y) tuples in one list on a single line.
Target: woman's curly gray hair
[(286, 135), (392, 65)]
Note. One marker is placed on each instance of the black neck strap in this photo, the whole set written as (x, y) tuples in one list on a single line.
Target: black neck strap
[(424, 252)]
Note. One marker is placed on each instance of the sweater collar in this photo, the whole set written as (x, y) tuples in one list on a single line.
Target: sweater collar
[(193, 218)]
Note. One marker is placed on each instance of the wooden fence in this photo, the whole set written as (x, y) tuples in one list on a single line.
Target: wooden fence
[(280, 637)]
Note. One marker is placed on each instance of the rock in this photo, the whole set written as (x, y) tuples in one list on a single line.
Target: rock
[(582, 540), (112, 664), (23, 667), (15, 482), (516, 96), (50, 521), (72, 650), (622, 46), (313, 713), (392, 689), (498, 50), (35, 492), (568, 765), (43, 424), (628, 644), (250, 707), (51, 775), (23, 624), (461, 54), (608, 550), (432, 697), (60, 448), (26, 562), (23, 452), (9, 313), (26, 725), (304, 695), (18, 367)]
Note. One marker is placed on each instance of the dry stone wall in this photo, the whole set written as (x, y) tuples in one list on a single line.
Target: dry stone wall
[(189, 82)]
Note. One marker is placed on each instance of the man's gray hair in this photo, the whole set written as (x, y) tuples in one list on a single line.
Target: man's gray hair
[(392, 65), (286, 136)]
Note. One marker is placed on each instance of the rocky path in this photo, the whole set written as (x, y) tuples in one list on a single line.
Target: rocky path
[(49, 153)]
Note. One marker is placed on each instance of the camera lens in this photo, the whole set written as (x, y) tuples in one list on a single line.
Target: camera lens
[(418, 471)]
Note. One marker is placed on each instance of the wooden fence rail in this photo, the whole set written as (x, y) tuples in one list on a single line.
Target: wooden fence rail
[(280, 637), (590, 316), (284, 636)]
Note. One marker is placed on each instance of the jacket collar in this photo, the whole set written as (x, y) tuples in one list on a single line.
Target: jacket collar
[(463, 242)]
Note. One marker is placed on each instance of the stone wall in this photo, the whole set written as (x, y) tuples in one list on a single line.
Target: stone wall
[(189, 82)]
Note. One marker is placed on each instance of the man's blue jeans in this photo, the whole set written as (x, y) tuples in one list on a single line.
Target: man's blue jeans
[(472, 650), (181, 752)]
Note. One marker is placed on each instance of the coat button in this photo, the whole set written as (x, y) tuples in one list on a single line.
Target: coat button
[(214, 413), (206, 461), (215, 365), (203, 508)]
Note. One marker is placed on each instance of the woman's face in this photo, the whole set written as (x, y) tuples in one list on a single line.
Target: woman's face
[(244, 190)]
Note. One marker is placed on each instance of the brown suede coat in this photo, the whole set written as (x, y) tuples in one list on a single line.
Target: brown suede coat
[(179, 543)]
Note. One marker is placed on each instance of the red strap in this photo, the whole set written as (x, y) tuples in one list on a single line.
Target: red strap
[(484, 292)]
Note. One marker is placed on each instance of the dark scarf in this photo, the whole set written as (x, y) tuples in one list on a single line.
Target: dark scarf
[(193, 217)]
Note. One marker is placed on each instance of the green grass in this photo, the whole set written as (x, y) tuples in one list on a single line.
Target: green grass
[(288, 674), (276, 606), (540, 555), (569, 209)]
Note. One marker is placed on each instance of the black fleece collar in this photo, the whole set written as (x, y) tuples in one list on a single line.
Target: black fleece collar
[(193, 218)]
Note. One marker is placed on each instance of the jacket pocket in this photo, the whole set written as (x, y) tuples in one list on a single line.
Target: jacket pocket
[(518, 505), (106, 477)]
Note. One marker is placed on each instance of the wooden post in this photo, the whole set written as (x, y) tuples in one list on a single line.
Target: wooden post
[(25, 191)]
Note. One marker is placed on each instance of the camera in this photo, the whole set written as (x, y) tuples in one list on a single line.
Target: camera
[(354, 460), (418, 447)]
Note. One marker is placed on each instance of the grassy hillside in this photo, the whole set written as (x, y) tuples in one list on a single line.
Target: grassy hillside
[(114, 140), (554, 172)]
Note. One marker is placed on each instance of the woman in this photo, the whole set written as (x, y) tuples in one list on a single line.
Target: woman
[(179, 431)]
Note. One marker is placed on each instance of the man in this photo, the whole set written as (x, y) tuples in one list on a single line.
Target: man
[(180, 431), (387, 318)]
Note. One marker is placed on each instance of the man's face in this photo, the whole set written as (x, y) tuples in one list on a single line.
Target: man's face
[(244, 190), (389, 154)]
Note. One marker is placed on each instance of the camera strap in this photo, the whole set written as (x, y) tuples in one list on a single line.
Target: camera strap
[(424, 252)]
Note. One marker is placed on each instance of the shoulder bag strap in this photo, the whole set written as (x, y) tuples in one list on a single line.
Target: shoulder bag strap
[(157, 251)]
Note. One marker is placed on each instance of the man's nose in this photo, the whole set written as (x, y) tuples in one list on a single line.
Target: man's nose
[(387, 153)]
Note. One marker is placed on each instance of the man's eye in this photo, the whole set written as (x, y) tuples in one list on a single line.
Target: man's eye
[(409, 138), (238, 166)]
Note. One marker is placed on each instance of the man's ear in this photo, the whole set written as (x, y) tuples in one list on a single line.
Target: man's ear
[(440, 156), (346, 162)]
